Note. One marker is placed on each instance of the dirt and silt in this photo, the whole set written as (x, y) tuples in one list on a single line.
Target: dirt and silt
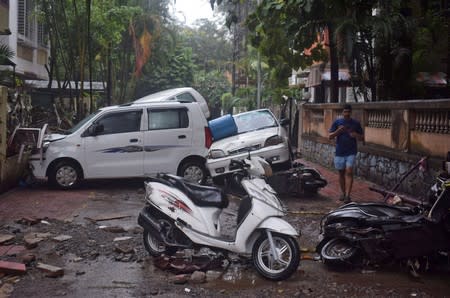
[(106, 258)]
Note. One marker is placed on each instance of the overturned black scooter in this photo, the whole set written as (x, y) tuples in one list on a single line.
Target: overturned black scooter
[(378, 233)]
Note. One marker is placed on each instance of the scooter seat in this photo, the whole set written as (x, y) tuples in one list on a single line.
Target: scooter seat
[(200, 195)]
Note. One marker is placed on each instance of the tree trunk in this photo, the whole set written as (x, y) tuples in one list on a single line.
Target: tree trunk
[(109, 77), (91, 98), (334, 66)]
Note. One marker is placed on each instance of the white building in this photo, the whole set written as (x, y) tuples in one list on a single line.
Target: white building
[(22, 33)]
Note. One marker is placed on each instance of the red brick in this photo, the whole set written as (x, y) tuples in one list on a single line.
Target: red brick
[(11, 250), (12, 268)]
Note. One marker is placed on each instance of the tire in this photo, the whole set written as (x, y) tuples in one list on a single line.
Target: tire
[(263, 261), (155, 247), (193, 171), (339, 253), (65, 175)]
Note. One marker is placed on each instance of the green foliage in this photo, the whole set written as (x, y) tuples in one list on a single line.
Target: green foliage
[(177, 71), (5, 53)]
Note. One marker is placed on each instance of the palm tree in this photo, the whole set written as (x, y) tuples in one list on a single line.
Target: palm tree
[(6, 54)]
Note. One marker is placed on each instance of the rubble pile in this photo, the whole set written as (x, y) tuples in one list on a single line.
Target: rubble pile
[(43, 246)]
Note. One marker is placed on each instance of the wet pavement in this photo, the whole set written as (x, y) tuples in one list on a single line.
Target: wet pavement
[(95, 265)]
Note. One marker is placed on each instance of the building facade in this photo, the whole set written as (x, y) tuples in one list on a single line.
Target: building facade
[(25, 37)]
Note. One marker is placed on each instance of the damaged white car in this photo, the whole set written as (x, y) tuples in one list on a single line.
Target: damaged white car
[(258, 132)]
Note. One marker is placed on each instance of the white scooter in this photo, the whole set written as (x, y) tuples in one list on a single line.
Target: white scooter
[(179, 214)]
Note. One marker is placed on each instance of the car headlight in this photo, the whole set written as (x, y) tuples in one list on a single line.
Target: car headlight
[(273, 140), (216, 153)]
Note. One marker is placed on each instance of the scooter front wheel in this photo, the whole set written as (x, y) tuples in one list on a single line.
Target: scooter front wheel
[(155, 247), (339, 253), (278, 267)]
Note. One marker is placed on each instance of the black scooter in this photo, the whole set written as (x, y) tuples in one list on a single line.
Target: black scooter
[(376, 233)]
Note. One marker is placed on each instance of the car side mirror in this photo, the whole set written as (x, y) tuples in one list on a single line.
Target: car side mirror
[(285, 121), (95, 129)]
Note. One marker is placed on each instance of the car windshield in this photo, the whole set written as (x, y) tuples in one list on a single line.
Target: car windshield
[(81, 123), (254, 120)]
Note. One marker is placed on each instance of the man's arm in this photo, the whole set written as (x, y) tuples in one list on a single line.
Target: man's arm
[(336, 132), (358, 134)]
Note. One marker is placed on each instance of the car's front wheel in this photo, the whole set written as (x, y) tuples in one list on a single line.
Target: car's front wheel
[(65, 175), (193, 171)]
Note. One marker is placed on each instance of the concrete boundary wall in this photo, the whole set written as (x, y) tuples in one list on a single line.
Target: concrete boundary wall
[(397, 135)]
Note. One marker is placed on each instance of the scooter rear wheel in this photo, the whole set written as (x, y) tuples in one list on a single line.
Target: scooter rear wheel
[(288, 252), (339, 253), (155, 247)]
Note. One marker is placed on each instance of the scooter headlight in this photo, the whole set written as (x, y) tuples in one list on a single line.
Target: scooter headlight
[(148, 190)]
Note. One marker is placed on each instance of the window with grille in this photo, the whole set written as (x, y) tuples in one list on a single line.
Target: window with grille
[(26, 20)]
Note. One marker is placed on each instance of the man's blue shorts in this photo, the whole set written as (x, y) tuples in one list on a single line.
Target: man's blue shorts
[(344, 162)]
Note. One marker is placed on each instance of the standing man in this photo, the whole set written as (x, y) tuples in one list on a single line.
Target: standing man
[(347, 131)]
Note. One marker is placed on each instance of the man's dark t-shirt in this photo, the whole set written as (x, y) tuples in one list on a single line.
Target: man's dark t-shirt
[(345, 144)]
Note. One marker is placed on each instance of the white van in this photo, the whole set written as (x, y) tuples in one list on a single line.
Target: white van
[(130, 140), (184, 94)]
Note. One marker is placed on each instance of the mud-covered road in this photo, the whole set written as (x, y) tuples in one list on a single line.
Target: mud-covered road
[(104, 257)]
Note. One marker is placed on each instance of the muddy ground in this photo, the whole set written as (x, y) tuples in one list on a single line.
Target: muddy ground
[(97, 266)]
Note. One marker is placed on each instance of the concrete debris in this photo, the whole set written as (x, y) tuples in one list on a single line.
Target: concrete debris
[(5, 238), (6, 290), (62, 238), (179, 279), (32, 239), (183, 266), (198, 277), (213, 275), (122, 238), (77, 259), (49, 270), (124, 249), (27, 258), (12, 268), (28, 221)]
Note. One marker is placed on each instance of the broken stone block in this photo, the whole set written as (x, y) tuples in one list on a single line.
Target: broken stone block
[(125, 249), (198, 277), (5, 238), (6, 290), (179, 279), (27, 258), (12, 268), (49, 270), (122, 238), (62, 238), (32, 239), (213, 275), (28, 221)]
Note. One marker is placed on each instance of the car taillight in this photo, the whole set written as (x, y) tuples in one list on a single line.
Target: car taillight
[(208, 137)]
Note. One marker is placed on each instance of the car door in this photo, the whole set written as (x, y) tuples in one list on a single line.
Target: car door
[(168, 139), (117, 149)]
